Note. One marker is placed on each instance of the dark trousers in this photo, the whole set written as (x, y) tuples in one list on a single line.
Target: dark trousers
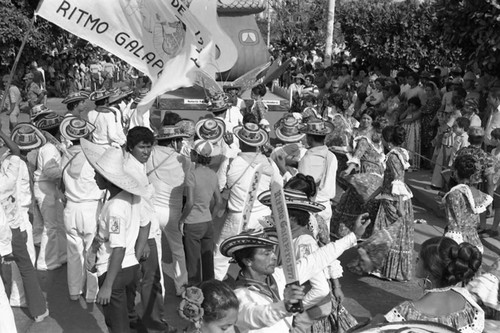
[(34, 296), (115, 312), (147, 280), (199, 248)]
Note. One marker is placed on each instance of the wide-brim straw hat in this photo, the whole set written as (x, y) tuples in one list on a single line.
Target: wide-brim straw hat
[(294, 199), (211, 129), (171, 132), (100, 94), (74, 128), (247, 239), (48, 121), (288, 130), (27, 137), (251, 134), (75, 97), (109, 161), (317, 127), (38, 110), (300, 76), (188, 126), (219, 102), (120, 94)]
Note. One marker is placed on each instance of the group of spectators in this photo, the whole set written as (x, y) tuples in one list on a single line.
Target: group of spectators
[(103, 188)]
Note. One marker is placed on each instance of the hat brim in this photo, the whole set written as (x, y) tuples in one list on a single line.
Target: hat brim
[(123, 180), (219, 109), (293, 203), (220, 124), (159, 137), (63, 128), (262, 141), (42, 128), (73, 99), (40, 138), (286, 138), (94, 99), (329, 127), (240, 242)]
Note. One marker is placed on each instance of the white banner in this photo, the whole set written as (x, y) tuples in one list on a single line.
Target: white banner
[(145, 33)]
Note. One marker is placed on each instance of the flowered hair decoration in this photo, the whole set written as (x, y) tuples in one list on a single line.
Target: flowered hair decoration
[(190, 307)]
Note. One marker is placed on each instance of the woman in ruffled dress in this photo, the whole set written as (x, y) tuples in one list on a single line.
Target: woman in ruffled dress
[(390, 248), (446, 268), (464, 203), (367, 160), (410, 120)]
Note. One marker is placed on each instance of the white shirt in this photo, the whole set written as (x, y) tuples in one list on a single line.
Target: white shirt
[(166, 170), (48, 164), (78, 177), (5, 235), (9, 173), (237, 177), (119, 223), (136, 168), (258, 313), (106, 131), (321, 164)]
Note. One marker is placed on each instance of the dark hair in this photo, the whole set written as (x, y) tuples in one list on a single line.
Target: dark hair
[(495, 134), (461, 92), (370, 112), (394, 134), (415, 101), (72, 105), (395, 89), (259, 90), (463, 122), (171, 118), (304, 183), (465, 166), (448, 262), (139, 134), (476, 140), (415, 76), (218, 298), (250, 118), (245, 253), (309, 98), (458, 101), (301, 217), (203, 160)]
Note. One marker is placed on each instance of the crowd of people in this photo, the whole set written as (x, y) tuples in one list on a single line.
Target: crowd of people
[(97, 191)]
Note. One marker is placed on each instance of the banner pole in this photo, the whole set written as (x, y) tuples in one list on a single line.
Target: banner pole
[(13, 69)]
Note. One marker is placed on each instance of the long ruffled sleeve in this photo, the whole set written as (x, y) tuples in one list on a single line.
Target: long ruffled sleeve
[(454, 203), (396, 167)]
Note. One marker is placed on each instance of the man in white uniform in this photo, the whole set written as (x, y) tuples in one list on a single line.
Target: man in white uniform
[(105, 120)]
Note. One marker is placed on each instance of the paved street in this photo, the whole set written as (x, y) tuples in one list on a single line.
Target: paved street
[(366, 296)]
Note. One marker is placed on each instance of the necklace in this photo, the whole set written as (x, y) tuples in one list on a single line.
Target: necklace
[(438, 290)]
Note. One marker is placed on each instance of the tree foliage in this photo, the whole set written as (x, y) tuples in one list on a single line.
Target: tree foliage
[(395, 34), (473, 26)]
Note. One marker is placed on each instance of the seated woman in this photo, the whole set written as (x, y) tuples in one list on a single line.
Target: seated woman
[(445, 267), (213, 307)]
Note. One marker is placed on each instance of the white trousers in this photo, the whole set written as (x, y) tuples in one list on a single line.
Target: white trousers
[(53, 242), (80, 221), (17, 296), (7, 323), (232, 227), (169, 223)]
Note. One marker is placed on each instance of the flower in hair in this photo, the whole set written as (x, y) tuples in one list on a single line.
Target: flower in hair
[(190, 307)]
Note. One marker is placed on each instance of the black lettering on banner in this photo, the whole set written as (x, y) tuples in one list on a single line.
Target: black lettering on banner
[(81, 15), (63, 7), (90, 19), (150, 56), (158, 63), (195, 60), (71, 15), (132, 45), (102, 27), (179, 6), (121, 38)]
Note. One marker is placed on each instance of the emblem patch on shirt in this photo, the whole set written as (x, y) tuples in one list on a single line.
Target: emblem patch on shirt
[(304, 250), (114, 225)]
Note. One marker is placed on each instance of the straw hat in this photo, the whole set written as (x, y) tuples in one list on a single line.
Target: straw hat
[(27, 136), (109, 163), (211, 129), (251, 134), (48, 121), (472, 104), (317, 127), (171, 132), (100, 94), (294, 199), (74, 128), (142, 93), (203, 148), (188, 126), (247, 239), (218, 102), (38, 110), (75, 97), (288, 130)]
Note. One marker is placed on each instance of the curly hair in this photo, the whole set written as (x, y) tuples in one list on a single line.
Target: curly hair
[(394, 134), (304, 183), (448, 262), (465, 165), (218, 298)]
